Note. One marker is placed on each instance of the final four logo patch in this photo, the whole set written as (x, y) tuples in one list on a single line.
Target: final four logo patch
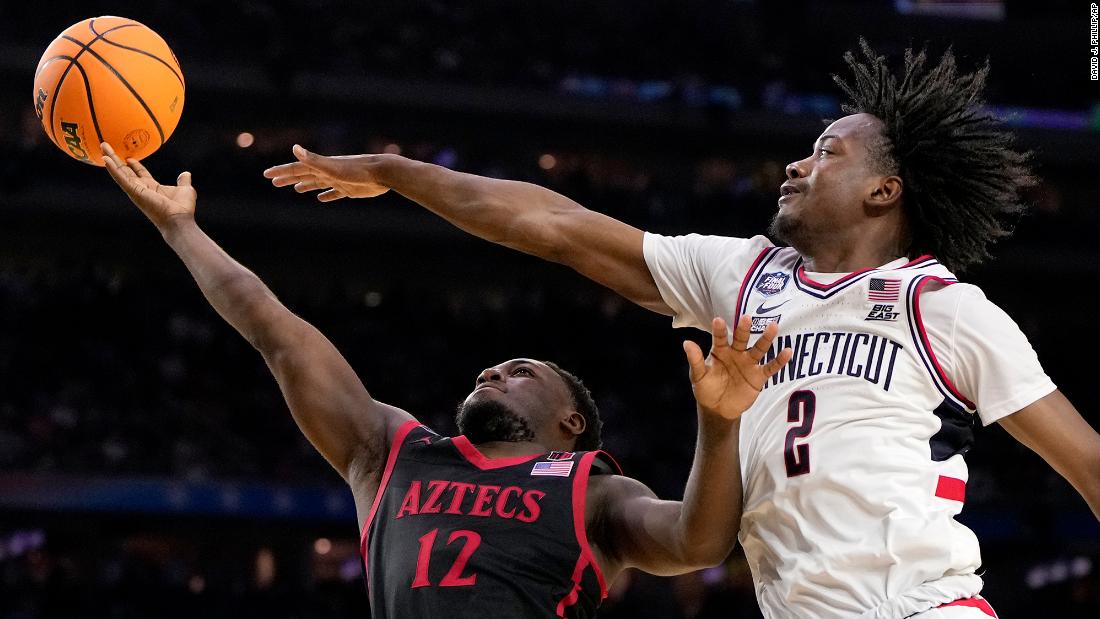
[(772, 283)]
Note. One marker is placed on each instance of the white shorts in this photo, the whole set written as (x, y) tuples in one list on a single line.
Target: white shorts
[(971, 608)]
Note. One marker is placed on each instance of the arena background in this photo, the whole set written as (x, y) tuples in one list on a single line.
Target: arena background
[(148, 466)]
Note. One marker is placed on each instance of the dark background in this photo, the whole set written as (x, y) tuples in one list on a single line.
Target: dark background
[(148, 466)]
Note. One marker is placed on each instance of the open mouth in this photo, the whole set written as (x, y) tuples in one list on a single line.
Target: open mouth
[(786, 190)]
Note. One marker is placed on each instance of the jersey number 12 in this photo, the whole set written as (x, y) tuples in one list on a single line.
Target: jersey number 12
[(454, 576)]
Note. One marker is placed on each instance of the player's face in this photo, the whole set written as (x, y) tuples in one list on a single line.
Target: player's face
[(825, 192), (519, 400)]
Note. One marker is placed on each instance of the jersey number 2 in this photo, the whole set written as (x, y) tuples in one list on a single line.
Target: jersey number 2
[(800, 410), (454, 577)]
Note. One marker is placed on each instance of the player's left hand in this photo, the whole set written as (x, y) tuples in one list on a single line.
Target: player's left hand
[(727, 382), (162, 204)]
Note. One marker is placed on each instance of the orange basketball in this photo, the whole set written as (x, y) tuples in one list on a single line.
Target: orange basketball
[(108, 79)]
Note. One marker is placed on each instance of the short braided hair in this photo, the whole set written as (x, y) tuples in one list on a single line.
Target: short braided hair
[(582, 399)]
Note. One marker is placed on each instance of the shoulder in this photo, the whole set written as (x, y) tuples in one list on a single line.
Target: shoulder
[(607, 494), (956, 301), (704, 245)]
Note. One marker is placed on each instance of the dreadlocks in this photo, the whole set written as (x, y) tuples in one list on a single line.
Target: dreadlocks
[(960, 175)]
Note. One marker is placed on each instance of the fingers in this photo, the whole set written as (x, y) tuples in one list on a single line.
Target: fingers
[(120, 167), (122, 175), (313, 160), (311, 185), (294, 169), (330, 195), (719, 337), (776, 364), (697, 366), (741, 333), (760, 348), (302, 154), (139, 169), (184, 179), (283, 181)]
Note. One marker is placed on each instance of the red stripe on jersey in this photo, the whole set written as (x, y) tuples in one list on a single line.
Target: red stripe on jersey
[(805, 279), (395, 448), (745, 282), (951, 488), (587, 557), (978, 603), (483, 462), (928, 344)]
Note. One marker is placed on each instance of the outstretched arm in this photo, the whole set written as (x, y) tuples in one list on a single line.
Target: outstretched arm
[(326, 398), (1052, 428), (518, 215), (635, 528)]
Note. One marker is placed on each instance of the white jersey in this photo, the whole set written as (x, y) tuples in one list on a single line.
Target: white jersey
[(851, 458)]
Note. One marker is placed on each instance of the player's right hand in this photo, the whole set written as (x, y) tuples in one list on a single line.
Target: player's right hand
[(727, 382), (162, 204), (343, 176)]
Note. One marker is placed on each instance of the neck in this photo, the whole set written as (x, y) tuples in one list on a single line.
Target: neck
[(865, 247), (510, 449), (845, 261)]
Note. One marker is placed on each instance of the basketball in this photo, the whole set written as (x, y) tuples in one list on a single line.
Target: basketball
[(108, 79)]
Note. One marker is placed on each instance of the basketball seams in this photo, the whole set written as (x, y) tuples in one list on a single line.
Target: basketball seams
[(48, 61), (52, 99), (73, 61), (91, 105), (125, 83), (66, 51), (168, 65)]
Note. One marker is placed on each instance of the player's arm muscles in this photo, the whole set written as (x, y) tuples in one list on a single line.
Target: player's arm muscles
[(634, 528), (519, 215), (1052, 428), (326, 398), (328, 401)]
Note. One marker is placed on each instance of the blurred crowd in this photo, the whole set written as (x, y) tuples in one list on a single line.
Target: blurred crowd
[(761, 49), (112, 363)]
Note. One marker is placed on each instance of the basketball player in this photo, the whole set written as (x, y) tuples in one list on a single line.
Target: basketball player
[(515, 518), (852, 459)]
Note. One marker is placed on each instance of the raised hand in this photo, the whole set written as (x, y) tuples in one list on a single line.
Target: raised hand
[(727, 382), (162, 204), (343, 176)]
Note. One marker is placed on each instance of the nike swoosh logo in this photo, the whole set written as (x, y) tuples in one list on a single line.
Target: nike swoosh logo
[(765, 310)]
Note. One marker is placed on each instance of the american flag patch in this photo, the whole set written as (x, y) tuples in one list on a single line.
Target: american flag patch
[(883, 289), (556, 469)]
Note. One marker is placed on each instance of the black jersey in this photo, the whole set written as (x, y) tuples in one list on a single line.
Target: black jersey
[(455, 534)]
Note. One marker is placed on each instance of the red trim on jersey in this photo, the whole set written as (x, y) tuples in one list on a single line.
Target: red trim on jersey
[(391, 460), (587, 557), (483, 462), (975, 602), (805, 279), (928, 344), (951, 488), (745, 281)]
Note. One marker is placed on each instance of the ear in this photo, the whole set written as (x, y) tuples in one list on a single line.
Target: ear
[(574, 425), (885, 196)]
